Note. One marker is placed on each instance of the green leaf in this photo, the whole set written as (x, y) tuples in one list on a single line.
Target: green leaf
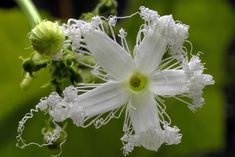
[(14, 101), (13, 43)]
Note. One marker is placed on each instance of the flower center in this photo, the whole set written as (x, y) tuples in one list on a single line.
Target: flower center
[(137, 82)]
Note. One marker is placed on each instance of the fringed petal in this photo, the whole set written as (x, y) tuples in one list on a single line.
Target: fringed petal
[(168, 82), (149, 53), (106, 97), (145, 121), (197, 81), (109, 54)]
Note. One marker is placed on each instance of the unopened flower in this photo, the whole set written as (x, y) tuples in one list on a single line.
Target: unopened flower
[(47, 38)]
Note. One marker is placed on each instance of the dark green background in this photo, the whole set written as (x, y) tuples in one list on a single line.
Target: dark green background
[(211, 31)]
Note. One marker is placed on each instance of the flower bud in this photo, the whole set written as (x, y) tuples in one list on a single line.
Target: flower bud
[(47, 38)]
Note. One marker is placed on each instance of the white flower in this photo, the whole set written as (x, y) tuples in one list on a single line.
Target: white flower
[(139, 82), (134, 83)]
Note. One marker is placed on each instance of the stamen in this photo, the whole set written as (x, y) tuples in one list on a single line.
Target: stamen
[(127, 17), (166, 63), (139, 35), (91, 122), (138, 82), (112, 32), (127, 138), (83, 63), (84, 52), (112, 20), (122, 34), (100, 122), (101, 74), (183, 101), (176, 63), (163, 111), (96, 22)]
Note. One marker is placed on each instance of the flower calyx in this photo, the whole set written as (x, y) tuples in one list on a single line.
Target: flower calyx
[(47, 38)]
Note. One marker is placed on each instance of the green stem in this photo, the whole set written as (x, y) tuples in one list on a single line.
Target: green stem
[(30, 11)]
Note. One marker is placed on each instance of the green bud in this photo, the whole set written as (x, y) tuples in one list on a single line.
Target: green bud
[(47, 38)]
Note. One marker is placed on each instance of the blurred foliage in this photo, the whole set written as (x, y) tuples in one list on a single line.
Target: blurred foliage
[(211, 30), (14, 101), (103, 8)]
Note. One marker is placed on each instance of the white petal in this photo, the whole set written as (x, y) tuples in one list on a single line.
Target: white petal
[(176, 33), (60, 112), (168, 82), (143, 112), (106, 97), (149, 53), (197, 81), (172, 135), (145, 121), (151, 139), (178, 38), (166, 26), (148, 14), (77, 114), (109, 54)]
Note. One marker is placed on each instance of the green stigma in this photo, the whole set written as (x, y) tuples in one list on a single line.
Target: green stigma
[(138, 82), (47, 38)]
